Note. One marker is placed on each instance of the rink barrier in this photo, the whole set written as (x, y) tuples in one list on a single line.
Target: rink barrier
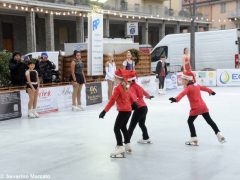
[(59, 98)]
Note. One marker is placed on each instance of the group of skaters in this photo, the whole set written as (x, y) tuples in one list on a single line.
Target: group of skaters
[(128, 96)]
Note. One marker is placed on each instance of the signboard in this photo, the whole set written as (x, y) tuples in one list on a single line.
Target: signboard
[(95, 44), (93, 93), (171, 81), (228, 77), (132, 29), (10, 105), (206, 78)]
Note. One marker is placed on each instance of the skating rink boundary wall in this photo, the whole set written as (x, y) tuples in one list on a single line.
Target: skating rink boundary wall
[(13, 104)]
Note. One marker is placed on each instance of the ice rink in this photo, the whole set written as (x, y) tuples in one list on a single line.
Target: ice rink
[(76, 145)]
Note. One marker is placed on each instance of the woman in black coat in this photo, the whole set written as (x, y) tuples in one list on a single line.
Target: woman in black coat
[(17, 70)]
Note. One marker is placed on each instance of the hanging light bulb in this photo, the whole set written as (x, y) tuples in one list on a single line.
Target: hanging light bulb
[(41, 10), (46, 11), (51, 13), (120, 15), (22, 8), (16, 7), (32, 9), (4, 5), (26, 9), (9, 6)]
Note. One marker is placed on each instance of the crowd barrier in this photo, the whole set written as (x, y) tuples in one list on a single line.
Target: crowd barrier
[(13, 104)]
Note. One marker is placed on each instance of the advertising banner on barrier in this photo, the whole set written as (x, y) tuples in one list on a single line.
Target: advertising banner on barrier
[(171, 81), (10, 105), (93, 93), (228, 77), (47, 100), (148, 83), (206, 78)]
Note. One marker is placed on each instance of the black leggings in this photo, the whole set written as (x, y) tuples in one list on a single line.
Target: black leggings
[(209, 120), (161, 82), (139, 116), (121, 125)]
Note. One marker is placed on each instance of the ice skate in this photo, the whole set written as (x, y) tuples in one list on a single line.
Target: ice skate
[(34, 111), (192, 142), (119, 152), (144, 141), (160, 91), (30, 114), (80, 108), (128, 148), (221, 138), (75, 108)]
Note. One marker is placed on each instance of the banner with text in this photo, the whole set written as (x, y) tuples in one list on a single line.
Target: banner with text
[(93, 93), (228, 77)]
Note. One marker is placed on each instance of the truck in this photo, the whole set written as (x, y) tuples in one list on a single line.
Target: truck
[(213, 49)]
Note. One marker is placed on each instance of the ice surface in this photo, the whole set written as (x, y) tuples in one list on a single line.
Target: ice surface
[(76, 145)]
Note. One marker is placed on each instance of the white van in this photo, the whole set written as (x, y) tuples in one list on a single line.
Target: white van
[(213, 49)]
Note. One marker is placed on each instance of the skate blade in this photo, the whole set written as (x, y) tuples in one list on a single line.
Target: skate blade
[(191, 144), (118, 156)]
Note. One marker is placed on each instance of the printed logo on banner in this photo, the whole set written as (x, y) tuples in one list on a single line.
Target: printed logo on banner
[(93, 93), (96, 24), (224, 77)]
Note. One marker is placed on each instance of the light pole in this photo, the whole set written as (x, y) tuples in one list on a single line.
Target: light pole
[(192, 41)]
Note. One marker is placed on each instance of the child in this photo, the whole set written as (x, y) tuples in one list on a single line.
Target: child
[(129, 64), (124, 99), (110, 69), (79, 79), (33, 85), (139, 115), (161, 71), (198, 107)]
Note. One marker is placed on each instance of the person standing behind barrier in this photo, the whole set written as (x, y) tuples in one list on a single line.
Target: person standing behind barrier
[(78, 79), (129, 64), (17, 70), (110, 69), (186, 63), (161, 71), (45, 68), (33, 85)]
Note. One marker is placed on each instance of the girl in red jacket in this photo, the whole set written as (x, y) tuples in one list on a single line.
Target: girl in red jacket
[(198, 107), (139, 115), (124, 100)]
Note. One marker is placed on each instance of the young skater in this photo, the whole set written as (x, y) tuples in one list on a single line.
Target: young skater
[(79, 79), (161, 71), (198, 107), (139, 114), (33, 85), (186, 63), (129, 64), (110, 69), (124, 101)]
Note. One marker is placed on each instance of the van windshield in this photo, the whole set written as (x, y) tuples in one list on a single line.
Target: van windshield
[(158, 52)]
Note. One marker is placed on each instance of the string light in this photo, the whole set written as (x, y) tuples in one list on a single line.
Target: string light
[(16, 7), (9, 6), (26, 9), (22, 8), (4, 4), (46, 11)]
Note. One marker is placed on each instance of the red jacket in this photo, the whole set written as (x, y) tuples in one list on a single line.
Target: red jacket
[(193, 93), (139, 92), (123, 98)]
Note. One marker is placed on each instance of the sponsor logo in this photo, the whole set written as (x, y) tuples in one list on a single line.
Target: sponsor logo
[(235, 77), (93, 89), (224, 77), (96, 24), (44, 93)]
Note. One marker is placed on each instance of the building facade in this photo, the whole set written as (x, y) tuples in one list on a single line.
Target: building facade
[(29, 26), (223, 14)]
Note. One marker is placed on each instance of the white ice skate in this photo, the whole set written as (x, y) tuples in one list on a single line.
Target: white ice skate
[(221, 138), (128, 148), (160, 91), (119, 152), (192, 142), (144, 141), (80, 107), (34, 111), (75, 108), (30, 114)]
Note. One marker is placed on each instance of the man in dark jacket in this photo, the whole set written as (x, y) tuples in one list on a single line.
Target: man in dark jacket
[(45, 68), (17, 70), (161, 71)]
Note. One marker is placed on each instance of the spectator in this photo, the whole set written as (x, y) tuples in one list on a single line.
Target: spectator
[(161, 71), (129, 64), (45, 68), (110, 69), (17, 70)]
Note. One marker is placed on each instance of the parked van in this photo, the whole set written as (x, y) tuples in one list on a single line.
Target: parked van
[(213, 49)]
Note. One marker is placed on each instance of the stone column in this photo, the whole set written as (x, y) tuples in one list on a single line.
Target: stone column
[(49, 28), (31, 32), (80, 28), (106, 27), (162, 30)]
